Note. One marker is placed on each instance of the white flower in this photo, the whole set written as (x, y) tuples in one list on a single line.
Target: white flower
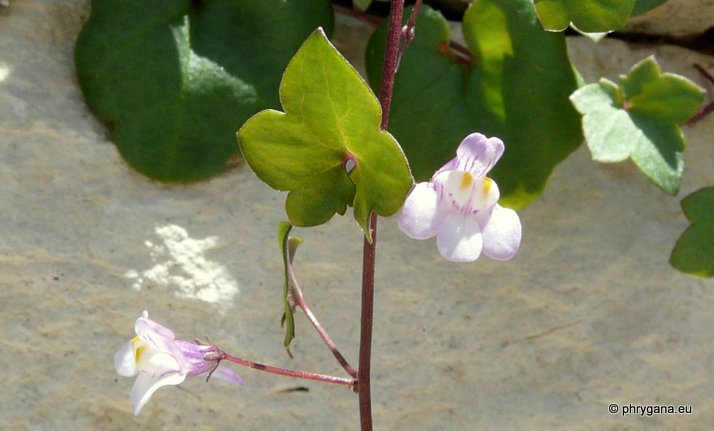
[(157, 359), (459, 206)]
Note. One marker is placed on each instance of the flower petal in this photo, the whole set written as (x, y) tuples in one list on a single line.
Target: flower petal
[(477, 154), (459, 238), (225, 373), (461, 192), (457, 187), (125, 360), (419, 216), (501, 233), (145, 325), (159, 337), (146, 384)]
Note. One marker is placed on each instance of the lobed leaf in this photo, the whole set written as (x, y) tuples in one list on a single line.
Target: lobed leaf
[(326, 149), (639, 120)]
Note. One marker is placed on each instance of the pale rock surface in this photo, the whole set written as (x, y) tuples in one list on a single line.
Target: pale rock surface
[(587, 314), (676, 18)]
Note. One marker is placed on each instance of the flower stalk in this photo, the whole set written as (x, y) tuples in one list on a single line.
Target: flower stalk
[(299, 301), (298, 374)]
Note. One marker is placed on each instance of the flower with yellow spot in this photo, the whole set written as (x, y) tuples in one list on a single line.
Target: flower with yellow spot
[(158, 359), (460, 206)]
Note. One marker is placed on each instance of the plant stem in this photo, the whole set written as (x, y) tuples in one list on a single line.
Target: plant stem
[(365, 341), (296, 298), (460, 54), (300, 302), (391, 60), (287, 372), (709, 107)]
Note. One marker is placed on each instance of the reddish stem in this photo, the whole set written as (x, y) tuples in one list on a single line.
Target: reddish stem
[(391, 61), (299, 300), (365, 342), (462, 55), (709, 107), (413, 17), (305, 375)]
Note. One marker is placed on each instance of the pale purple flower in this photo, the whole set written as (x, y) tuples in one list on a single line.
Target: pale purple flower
[(158, 359), (459, 206)]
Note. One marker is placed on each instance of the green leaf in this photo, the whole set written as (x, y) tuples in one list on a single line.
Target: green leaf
[(662, 97), (590, 16), (326, 149), (694, 252), (639, 120), (176, 78), (642, 6), (517, 88), (288, 246), (362, 4)]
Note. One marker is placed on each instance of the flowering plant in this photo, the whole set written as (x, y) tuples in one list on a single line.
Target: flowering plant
[(330, 148)]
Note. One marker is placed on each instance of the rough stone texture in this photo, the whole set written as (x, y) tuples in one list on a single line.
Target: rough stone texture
[(588, 313), (676, 18)]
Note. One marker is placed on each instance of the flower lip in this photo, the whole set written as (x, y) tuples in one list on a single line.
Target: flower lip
[(476, 154)]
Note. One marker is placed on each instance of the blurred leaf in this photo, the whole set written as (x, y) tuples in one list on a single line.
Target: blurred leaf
[(590, 16), (642, 6), (517, 88), (639, 120), (694, 252), (326, 149), (362, 4), (595, 37), (177, 78)]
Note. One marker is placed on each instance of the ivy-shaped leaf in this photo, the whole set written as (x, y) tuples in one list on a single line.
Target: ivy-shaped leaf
[(694, 252), (176, 78), (516, 88), (288, 245), (590, 16), (326, 149), (639, 119)]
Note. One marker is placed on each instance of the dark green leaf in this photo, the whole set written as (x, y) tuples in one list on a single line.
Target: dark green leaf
[(517, 89), (177, 78), (331, 121), (694, 251), (642, 6)]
